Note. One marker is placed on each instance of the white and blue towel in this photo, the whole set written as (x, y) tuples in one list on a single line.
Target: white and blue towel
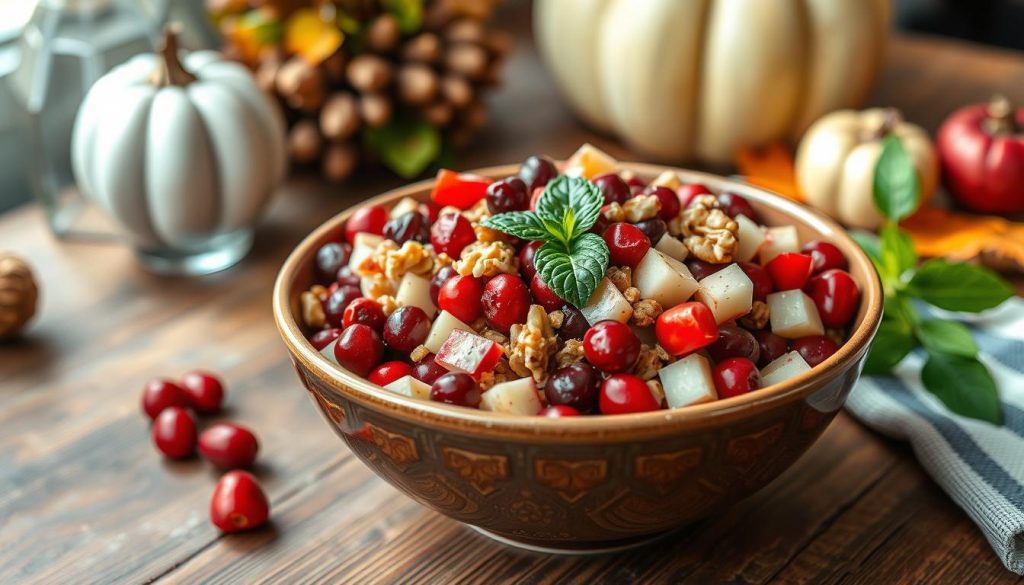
[(979, 465)]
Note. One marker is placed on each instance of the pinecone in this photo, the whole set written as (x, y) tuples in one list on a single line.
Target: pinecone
[(18, 294)]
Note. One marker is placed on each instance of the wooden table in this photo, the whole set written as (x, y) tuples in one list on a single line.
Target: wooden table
[(84, 497)]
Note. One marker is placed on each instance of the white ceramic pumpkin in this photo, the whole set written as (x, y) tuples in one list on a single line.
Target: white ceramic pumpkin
[(682, 79), (179, 151)]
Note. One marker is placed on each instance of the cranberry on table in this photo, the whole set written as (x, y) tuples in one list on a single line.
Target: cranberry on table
[(460, 296), (439, 279), (685, 328), (734, 341), (826, 256), (544, 295), (238, 502), (338, 301), (537, 171), (734, 205), (388, 372), (614, 189), (369, 220), (406, 328), (654, 229), (324, 337), (759, 276), (625, 394), (771, 346), (836, 296), (670, 205), (558, 411), (735, 376), (365, 311), (228, 445), (159, 394), (509, 194), (790, 271), (359, 349), (427, 370), (456, 388), (411, 225), (815, 348), (347, 276), (574, 325), (505, 301), (451, 233), (688, 192), (627, 245), (576, 385), (174, 432), (205, 391), (611, 346), (330, 258), (526, 255), (701, 269)]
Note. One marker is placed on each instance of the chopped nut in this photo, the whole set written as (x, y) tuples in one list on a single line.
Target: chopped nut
[(379, 285), (441, 260), (641, 207), (487, 259), (312, 310), (501, 373), (388, 304), (495, 336), (486, 234), (621, 277), (614, 212), (320, 291), (478, 212), (373, 263), (411, 257), (645, 312), (532, 346), (667, 179), (709, 234), (418, 353), (650, 361), (657, 390), (479, 325), (632, 294), (571, 353), (556, 318), (758, 316)]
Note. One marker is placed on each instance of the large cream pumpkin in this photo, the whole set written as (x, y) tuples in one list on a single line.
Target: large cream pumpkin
[(683, 79)]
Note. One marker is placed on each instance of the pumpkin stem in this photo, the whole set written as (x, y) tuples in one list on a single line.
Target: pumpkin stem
[(170, 71), (890, 120), (1000, 116)]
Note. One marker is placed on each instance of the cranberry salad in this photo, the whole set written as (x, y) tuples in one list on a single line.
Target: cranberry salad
[(574, 291)]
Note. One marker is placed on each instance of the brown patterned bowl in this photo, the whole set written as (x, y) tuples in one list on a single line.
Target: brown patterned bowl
[(592, 483)]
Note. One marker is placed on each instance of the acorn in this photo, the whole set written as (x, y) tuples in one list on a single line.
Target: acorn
[(18, 295)]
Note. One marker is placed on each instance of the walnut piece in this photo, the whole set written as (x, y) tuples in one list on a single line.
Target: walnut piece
[(571, 353), (388, 304), (708, 233), (621, 277), (758, 316), (495, 336), (645, 312), (441, 260), (614, 212), (532, 345), (312, 310), (501, 373), (486, 234), (657, 390), (556, 318), (478, 212), (378, 285), (411, 257), (634, 210), (418, 353), (650, 361), (481, 259), (632, 294)]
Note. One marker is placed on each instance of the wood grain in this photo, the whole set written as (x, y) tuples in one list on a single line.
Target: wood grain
[(84, 497)]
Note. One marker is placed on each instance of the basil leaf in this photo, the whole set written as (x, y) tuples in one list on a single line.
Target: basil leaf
[(898, 254), (405, 145), (964, 385), (898, 308), (872, 247), (896, 185), (521, 224), (949, 337), (573, 273), (959, 287), (892, 343), (571, 202)]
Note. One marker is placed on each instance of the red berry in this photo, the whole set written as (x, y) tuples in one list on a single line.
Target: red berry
[(761, 279), (406, 328), (411, 225), (205, 391), (734, 341), (685, 328), (505, 301), (574, 325), (535, 197), (611, 346), (427, 370), (654, 229), (771, 347), (826, 256), (700, 269), (441, 277), (627, 244), (462, 190), (537, 171), (670, 205), (736, 376), (365, 311), (636, 182), (600, 225), (734, 205), (338, 301), (388, 372), (451, 233), (836, 295), (558, 411), (461, 296), (576, 385), (509, 194), (370, 220), (456, 388), (346, 276), (544, 295), (238, 502), (359, 349), (330, 258), (815, 348), (614, 189), (174, 432), (626, 393), (159, 394), (526, 258), (429, 209), (686, 193), (228, 446), (323, 338), (789, 271)]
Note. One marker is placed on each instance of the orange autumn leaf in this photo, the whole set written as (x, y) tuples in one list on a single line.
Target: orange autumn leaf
[(770, 168), (311, 37)]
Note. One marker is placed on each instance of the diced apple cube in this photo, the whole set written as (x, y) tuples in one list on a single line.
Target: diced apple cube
[(515, 397), (729, 293), (792, 314), (328, 352), (468, 352), (779, 240), (749, 238), (667, 179), (688, 381), (404, 206), (672, 247), (664, 279), (589, 161), (363, 247), (607, 303), (411, 387), (414, 291), (783, 368), (441, 329)]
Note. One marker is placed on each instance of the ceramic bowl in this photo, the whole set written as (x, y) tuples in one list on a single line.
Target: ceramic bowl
[(587, 484)]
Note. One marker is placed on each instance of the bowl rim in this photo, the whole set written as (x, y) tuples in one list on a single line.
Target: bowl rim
[(354, 387)]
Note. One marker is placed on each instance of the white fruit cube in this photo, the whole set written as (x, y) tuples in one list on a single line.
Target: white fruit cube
[(779, 240), (363, 247), (328, 352), (729, 293), (411, 387), (589, 161), (404, 206), (672, 247), (688, 381), (607, 303), (515, 397), (442, 328), (664, 279), (749, 238), (414, 291), (667, 179), (792, 314), (468, 352), (783, 368)]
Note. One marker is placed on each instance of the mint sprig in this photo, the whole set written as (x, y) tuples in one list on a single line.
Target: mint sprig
[(572, 260), (952, 371)]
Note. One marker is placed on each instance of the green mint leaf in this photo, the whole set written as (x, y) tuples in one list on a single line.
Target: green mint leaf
[(574, 272), (896, 185), (948, 337), (898, 254), (892, 343), (872, 246), (572, 203), (964, 385), (406, 146), (521, 224), (959, 287)]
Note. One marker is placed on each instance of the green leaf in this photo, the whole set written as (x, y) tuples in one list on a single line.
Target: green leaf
[(405, 145), (571, 202), (898, 254), (896, 185), (892, 343), (872, 247), (964, 385), (521, 224), (959, 287), (573, 273), (898, 308), (949, 337), (408, 13)]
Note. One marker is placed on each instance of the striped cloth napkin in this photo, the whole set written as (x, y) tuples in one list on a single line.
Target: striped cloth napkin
[(980, 466)]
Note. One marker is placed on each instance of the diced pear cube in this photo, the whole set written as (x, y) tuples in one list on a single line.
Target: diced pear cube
[(729, 293), (672, 247), (779, 240), (328, 352), (414, 291), (589, 161), (411, 387), (688, 381), (607, 303), (404, 206), (792, 314), (468, 352), (515, 397), (363, 247), (667, 179), (783, 368), (749, 238), (442, 328), (664, 279)]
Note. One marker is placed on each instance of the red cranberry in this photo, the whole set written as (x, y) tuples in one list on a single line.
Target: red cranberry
[(205, 391), (836, 295), (734, 205), (734, 341), (388, 372), (654, 229), (790, 271), (505, 301), (575, 385), (324, 337), (365, 311), (338, 301), (626, 393), (461, 296), (761, 279), (611, 346), (411, 225), (815, 348), (537, 171), (406, 328), (574, 325), (160, 394), (544, 295), (228, 446), (614, 189), (174, 432), (346, 276), (330, 258), (509, 194), (456, 388), (526, 258), (439, 279), (636, 182), (535, 197), (558, 411), (429, 209), (359, 349), (669, 201), (826, 256), (685, 328), (451, 233), (427, 370), (736, 376), (627, 245), (600, 225), (771, 347), (370, 220), (701, 269), (238, 502), (688, 192)]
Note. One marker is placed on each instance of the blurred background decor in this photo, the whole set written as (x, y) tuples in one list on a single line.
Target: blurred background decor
[(18, 294)]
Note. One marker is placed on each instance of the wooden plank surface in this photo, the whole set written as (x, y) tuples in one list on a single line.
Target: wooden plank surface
[(84, 497)]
